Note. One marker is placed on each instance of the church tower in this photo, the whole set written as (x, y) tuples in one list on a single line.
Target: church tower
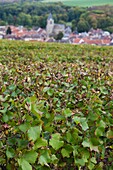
[(50, 24)]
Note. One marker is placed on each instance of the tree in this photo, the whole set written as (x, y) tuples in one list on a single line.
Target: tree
[(92, 21), (59, 36), (102, 22), (24, 19), (2, 22), (8, 31), (35, 20), (10, 19), (62, 22), (83, 26), (74, 24)]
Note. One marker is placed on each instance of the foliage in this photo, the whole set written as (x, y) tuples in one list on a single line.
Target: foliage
[(34, 14), (56, 106), (59, 36), (8, 31), (83, 26)]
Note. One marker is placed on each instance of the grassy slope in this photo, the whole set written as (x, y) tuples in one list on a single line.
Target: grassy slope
[(83, 2)]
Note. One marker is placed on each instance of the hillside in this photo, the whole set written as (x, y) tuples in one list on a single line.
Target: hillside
[(9, 1), (18, 1), (83, 3), (56, 106), (35, 15)]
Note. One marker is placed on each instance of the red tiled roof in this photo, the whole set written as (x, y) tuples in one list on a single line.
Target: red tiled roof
[(77, 40), (106, 41), (91, 41)]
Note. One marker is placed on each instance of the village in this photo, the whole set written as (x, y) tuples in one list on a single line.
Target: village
[(92, 37)]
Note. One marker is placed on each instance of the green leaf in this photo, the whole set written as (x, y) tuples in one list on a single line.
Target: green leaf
[(5, 118), (24, 164), (103, 90), (50, 91), (59, 118), (94, 148), (109, 134), (56, 136), (31, 99), (2, 160), (82, 121), (95, 141), (3, 99), (93, 160), (40, 143), (45, 89), (1, 144), (76, 119), (34, 133), (102, 124), (44, 158), (24, 127), (67, 112), (10, 153), (30, 156), (85, 156), (99, 131), (22, 143), (86, 143), (35, 111), (54, 159), (100, 166), (65, 153), (79, 162), (84, 126), (55, 141), (56, 144), (14, 94), (91, 166), (6, 105), (12, 87), (73, 136), (40, 167), (67, 150)]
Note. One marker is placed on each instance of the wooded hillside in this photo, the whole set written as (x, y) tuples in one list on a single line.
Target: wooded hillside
[(35, 14)]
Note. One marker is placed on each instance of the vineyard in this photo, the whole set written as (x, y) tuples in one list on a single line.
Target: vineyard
[(56, 106)]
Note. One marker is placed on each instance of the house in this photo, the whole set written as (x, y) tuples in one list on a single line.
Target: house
[(11, 37), (33, 37), (1, 36), (65, 40), (42, 33), (52, 28), (111, 42), (90, 41), (50, 40), (67, 32), (21, 33), (3, 29)]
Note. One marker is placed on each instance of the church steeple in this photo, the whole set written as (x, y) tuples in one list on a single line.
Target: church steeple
[(50, 17), (50, 24)]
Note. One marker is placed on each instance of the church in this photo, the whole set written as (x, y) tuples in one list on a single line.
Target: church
[(52, 28)]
